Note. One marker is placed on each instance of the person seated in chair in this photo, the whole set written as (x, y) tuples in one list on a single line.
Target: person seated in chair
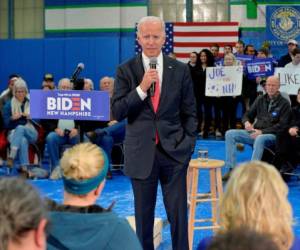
[(268, 115), (115, 131), (66, 132), (17, 120), (288, 142), (79, 223)]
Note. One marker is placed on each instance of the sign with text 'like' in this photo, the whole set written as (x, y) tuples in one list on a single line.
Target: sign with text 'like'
[(289, 80)]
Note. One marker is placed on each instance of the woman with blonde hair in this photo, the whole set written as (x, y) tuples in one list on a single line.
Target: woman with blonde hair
[(79, 223), (256, 197)]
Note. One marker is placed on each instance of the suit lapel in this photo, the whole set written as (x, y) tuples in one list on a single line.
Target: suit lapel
[(139, 69), (168, 70)]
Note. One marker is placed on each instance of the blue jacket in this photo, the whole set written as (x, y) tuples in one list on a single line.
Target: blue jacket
[(92, 229)]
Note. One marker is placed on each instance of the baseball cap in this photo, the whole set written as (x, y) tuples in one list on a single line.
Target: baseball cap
[(292, 41), (48, 77)]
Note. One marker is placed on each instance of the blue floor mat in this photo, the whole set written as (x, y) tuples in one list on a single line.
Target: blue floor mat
[(119, 189)]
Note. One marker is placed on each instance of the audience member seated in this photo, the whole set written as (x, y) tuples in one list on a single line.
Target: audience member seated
[(88, 127), (79, 223), (288, 142), (268, 115), (242, 239), (48, 82), (46, 125), (115, 131), (22, 216), (66, 132), (88, 84), (17, 120), (5, 96), (256, 197)]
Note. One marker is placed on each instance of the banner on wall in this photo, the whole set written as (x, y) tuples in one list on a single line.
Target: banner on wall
[(282, 24), (224, 81), (289, 80), (70, 105)]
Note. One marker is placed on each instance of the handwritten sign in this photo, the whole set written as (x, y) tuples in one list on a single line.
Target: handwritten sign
[(224, 81), (70, 105), (289, 80)]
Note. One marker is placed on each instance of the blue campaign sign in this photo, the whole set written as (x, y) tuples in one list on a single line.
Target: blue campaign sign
[(70, 104), (243, 59), (260, 67), (282, 23)]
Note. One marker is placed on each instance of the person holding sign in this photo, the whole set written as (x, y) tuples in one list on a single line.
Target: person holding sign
[(229, 103), (294, 66), (268, 115)]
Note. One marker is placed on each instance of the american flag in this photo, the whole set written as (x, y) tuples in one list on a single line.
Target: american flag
[(184, 38)]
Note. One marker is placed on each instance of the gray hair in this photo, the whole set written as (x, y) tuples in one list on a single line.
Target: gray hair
[(64, 80), (88, 80), (149, 19), (21, 209), (20, 84)]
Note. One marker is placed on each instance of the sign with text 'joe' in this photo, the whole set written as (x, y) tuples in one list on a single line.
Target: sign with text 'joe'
[(72, 105), (224, 81), (289, 80)]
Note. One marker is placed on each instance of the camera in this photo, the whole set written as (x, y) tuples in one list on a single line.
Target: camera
[(67, 132)]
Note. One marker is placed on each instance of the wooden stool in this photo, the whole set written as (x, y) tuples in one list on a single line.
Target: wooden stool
[(216, 191)]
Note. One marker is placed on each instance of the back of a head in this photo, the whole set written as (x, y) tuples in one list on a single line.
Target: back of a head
[(21, 210), (83, 166), (256, 197), (242, 239)]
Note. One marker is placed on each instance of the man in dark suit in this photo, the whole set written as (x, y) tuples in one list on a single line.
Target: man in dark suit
[(160, 134)]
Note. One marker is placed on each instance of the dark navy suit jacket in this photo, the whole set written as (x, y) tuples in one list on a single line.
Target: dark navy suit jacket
[(175, 120)]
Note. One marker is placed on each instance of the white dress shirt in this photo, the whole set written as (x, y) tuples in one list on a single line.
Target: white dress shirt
[(159, 68)]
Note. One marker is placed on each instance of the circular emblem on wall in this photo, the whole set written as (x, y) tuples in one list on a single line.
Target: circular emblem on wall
[(285, 23)]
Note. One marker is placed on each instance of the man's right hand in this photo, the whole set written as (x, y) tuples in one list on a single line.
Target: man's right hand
[(150, 76), (248, 126)]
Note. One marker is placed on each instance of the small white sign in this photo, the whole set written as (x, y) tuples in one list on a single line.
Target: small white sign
[(289, 80), (224, 81)]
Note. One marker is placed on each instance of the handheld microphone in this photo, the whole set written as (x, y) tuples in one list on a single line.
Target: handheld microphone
[(152, 64), (77, 71)]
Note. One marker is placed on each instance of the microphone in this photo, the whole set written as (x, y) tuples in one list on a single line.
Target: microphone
[(77, 71), (152, 64)]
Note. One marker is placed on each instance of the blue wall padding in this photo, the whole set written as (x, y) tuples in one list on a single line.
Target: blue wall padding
[(32, 58)]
